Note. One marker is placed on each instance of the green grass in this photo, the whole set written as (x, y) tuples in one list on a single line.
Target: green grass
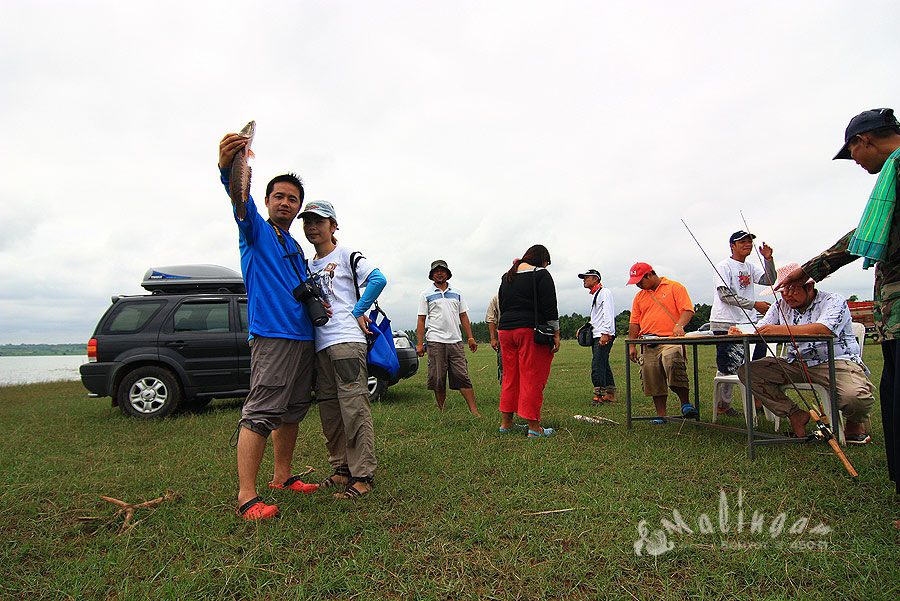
[(447, 517)]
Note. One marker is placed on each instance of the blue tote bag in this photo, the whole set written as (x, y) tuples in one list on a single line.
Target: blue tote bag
[(381, 359)]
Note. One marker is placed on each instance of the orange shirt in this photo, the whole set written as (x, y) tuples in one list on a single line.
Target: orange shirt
[(646, 313)]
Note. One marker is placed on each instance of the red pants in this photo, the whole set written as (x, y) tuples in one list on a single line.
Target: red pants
[(526, 367)]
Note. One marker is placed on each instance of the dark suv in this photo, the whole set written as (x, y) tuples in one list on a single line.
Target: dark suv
[(185, 344)]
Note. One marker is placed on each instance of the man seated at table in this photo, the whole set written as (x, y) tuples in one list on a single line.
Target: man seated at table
[(805, 311), (661, 308)]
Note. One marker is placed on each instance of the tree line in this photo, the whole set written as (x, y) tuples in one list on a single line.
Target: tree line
[(569, 324), (15, 350)]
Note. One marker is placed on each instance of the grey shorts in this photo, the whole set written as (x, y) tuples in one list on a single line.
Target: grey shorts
[(447, 360), (280, 379)]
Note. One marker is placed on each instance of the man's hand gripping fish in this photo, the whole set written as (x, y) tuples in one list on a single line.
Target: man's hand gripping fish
[(239, 184)]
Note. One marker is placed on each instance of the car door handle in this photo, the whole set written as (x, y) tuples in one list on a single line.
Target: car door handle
[(177, 345)]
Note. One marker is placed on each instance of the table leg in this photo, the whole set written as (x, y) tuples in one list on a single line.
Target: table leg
[(835, 417), (696, 384), (749, 409), (627, 388)]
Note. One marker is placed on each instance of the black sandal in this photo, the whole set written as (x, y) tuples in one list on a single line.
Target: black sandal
[(329, 482), (351, 492), (256, 509)]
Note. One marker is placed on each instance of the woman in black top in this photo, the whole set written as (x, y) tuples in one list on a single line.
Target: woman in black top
[(527, 296)]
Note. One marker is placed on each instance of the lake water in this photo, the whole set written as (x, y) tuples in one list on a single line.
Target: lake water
[(30, 370)]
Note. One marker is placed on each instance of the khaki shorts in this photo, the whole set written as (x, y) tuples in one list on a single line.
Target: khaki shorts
[(447, 360), (662, 367)]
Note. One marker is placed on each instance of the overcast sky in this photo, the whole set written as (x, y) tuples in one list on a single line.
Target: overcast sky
[(466, 131)]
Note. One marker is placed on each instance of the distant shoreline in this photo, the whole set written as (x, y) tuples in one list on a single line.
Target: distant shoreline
[(29, 350)]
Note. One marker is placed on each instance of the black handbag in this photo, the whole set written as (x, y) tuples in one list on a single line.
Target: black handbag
[(585, 334), (543, 332)]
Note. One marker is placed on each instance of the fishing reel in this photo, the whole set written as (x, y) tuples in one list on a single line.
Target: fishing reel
[(823, 428), (822, 432)]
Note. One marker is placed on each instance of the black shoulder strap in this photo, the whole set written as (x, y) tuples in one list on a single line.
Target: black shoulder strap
[(289, 254), (355, 257), (534, 288)]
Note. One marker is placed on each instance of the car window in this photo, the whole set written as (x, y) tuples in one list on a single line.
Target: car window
[(242, 309), (131, 317), (201, 317)]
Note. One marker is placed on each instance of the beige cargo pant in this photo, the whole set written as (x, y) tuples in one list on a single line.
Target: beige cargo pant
[(343, 397), (855, 392)]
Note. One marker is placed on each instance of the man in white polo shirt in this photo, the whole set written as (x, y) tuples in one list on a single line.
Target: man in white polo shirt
[(445, 308)]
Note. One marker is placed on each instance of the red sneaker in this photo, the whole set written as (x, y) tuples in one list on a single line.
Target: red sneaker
[(255, 509), (293, 483)]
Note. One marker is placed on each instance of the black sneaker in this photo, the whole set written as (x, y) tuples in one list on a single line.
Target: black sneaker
[(861, 438), (732, 412)]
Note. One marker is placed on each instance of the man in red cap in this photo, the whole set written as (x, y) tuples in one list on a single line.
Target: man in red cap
[(661, 309)]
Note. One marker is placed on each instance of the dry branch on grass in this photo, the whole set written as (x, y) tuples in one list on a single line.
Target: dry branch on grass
[(549, 511), (129, 508)]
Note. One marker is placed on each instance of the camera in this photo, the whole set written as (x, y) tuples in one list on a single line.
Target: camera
[(310, 293)]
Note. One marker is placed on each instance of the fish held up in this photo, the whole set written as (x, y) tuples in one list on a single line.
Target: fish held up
[(239, 184)]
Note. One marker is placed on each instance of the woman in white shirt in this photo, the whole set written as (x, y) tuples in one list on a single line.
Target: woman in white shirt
[(342, 379)]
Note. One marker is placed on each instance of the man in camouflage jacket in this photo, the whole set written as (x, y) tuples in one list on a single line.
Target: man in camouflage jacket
[(872, 139)]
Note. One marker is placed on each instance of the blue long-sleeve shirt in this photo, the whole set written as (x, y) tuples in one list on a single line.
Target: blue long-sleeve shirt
[(272, 310)]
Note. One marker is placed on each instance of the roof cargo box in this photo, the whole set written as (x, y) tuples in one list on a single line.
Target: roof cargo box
[(181, 279)]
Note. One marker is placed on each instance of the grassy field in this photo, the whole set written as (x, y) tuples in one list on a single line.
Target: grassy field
[(451, 514)]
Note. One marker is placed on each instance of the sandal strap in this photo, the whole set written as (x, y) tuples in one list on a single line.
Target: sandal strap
[(290, 481), (246, 506), (350, 492), (342, 470)]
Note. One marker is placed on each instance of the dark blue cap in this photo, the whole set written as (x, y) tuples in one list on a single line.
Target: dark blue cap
[(740, 235), (864, 122)]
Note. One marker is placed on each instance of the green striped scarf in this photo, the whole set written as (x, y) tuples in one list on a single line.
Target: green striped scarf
[(871, 236)]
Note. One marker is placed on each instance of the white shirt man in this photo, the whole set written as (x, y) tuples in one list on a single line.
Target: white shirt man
[(603, 322), (733, 304), (443, 308)]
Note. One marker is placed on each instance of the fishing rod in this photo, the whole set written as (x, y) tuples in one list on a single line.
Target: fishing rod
[(822, 427)]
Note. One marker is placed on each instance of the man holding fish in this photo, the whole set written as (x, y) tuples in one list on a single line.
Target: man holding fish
[(281, 334)]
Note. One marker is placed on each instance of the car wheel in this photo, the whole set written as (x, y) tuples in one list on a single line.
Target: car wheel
[(149, 392), (377, 386)]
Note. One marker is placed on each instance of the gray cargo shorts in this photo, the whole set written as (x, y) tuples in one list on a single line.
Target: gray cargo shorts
[(447, 361), (280, 379)]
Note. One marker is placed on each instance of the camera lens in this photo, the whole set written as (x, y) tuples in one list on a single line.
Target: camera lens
[(316, 312)]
